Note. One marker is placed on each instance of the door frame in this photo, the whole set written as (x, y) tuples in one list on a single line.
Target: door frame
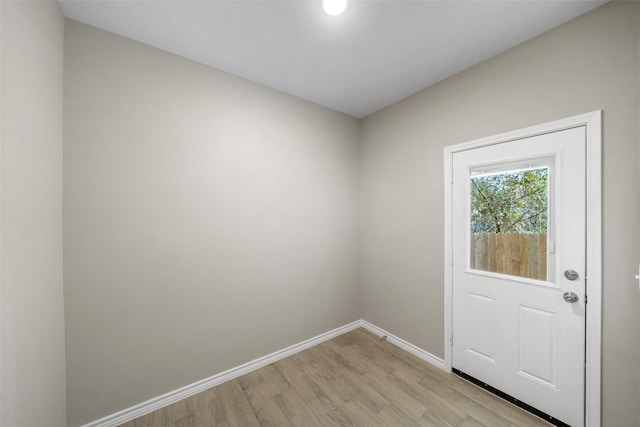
[(593, 277)]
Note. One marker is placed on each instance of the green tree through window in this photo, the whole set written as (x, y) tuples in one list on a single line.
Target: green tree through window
[(510, 202)]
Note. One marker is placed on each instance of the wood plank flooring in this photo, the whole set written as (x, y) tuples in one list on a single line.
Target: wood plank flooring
[(352, 380)]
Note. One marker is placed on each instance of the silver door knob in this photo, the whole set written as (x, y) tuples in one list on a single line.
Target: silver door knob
[(571, 275), (570, 297)]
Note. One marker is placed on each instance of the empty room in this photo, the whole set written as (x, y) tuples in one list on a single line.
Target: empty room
[(319, 213)]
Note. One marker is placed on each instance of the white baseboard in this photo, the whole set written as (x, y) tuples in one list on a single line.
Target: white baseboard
[(156, 403), (407, 346)]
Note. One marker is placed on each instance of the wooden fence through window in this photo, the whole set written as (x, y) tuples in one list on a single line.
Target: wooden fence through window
[(516, 254)]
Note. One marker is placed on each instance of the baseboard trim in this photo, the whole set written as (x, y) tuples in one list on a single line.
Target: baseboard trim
[(156, 403), (407, 346)]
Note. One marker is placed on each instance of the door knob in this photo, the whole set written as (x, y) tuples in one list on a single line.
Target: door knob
[(571, 275), (570, 297)]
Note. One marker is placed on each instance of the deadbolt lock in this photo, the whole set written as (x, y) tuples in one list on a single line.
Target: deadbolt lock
[(571, 275)]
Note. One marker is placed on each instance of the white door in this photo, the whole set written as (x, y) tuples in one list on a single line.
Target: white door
[(518, 269)]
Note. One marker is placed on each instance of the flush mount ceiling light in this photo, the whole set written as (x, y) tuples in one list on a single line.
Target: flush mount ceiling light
[(334, 7)]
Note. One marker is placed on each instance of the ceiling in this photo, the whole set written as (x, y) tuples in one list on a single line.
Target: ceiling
[(373, 55)]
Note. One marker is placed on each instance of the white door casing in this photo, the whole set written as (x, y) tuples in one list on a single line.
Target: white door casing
[(519, 335)]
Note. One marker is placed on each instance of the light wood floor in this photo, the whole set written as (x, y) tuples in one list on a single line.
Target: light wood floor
[(352, 380)]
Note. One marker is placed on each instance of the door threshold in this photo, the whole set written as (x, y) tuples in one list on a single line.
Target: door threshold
[(520, 404)]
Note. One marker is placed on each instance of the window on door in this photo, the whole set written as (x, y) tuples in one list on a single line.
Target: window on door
[(510, 219)]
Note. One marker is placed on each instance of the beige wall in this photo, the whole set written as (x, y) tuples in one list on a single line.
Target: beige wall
[(33, 353), (208, 221), (588, 64)]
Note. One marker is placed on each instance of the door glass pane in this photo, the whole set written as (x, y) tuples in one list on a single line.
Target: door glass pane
[(509, 221)]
